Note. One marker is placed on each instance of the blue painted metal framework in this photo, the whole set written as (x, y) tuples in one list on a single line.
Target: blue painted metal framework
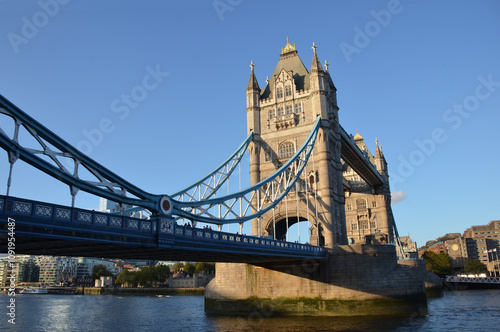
[(67, 226), (196, 202), (256, 200), (48, 157)]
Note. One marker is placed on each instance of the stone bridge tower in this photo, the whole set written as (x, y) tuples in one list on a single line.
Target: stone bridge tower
[(282, 115)]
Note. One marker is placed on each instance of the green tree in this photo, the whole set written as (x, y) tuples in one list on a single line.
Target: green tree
[(126, 277), (161, 273), (475, 266), (100, 270), (439, 264), (189, 268), (177, 267), (145, 276), (202, 266)]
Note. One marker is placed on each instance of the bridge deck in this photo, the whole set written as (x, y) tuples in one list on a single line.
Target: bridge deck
[(48, 229)]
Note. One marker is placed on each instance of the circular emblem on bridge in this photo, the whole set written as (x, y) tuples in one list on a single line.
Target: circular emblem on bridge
[(166, 205)]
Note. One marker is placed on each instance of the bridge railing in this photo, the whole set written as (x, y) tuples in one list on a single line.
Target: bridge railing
[(29, 211), (18, 207), (246, 240)]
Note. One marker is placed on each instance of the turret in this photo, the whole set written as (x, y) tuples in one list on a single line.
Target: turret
[(380, 161), (317, 84), (253, 103)]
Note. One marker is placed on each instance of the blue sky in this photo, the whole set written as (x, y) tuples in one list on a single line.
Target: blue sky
[(421, 76)]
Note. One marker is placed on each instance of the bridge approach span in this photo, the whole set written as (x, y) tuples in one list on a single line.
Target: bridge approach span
[(47, 229)]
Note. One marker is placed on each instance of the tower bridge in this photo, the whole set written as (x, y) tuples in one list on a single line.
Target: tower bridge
[(304, 167)]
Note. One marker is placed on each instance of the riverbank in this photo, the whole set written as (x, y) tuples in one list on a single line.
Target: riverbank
[(141, 291)]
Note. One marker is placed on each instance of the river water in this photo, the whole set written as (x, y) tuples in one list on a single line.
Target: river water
[(455, 311)]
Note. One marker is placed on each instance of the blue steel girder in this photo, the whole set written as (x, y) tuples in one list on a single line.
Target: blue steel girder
[(355, 158), (210, 184), (256, 200), (106, 183)]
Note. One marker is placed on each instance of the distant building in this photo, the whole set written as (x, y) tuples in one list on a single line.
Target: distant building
[(184, 280), (55, 269), (482, 242), (105, 205), (85, 266), (25, 269), (409, 247)]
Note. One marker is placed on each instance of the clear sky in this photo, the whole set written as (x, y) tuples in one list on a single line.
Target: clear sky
[(421, 76)]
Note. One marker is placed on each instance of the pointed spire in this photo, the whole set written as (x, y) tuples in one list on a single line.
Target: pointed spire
[(252, 82), (316, 65)]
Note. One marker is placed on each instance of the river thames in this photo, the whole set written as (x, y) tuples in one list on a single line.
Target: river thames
[(455, 311)]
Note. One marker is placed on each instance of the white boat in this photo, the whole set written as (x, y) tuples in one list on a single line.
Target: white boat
[(34, 290)]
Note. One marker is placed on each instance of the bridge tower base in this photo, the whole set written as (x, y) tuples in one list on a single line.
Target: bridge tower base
[(353, 280)]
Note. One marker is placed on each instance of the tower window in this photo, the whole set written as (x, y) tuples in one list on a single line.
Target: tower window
[(279, 93), (363, 224), (373, 224), (289, 109), (288, 90), (361, 204), (374, 204), (271, 114), (280, 111), (298, 108), (354, 226), (349, 207), (286, 150)]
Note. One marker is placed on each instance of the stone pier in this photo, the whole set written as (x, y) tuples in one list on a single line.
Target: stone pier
[(352, 280)]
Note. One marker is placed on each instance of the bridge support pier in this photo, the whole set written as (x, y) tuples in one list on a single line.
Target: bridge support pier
[(351, 281)]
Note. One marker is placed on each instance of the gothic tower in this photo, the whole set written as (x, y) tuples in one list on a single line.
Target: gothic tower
[(281, 116), (368, 210)]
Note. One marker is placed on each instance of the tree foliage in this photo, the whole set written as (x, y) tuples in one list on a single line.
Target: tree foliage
[(439, 264), (177, 267), (189, 268), (100, 270), (475, 266), (147, 276), (202, 266)]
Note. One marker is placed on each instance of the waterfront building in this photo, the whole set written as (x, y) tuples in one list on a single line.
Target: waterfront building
[(56, 269), (184, 280), (482, 242), (452, 244), (24, 269), (85, 266)]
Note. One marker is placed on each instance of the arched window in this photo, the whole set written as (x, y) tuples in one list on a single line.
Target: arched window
[(361, 203), (279, 92), (286, 150)]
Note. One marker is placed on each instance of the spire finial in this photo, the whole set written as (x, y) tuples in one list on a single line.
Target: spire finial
[(288, 47), (267, 79), (376, 142), (252, 65), (314, 47), (326, 65)]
